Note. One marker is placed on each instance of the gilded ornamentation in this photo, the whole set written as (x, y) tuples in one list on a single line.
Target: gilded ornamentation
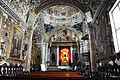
[(64, 55)]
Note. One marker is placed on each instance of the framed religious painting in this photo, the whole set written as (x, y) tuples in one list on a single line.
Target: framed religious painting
[(16, 48)]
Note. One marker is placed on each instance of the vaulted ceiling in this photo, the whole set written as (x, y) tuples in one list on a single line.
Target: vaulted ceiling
[(56, 14), (49, 16), (82, 4)]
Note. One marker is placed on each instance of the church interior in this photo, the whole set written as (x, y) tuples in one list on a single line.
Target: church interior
[(60, 39)]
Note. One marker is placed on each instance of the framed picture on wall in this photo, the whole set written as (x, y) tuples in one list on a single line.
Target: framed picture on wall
[(16, 43)]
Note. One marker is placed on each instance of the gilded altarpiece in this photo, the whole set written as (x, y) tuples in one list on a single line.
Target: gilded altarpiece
[(16, 43), (11, 39)]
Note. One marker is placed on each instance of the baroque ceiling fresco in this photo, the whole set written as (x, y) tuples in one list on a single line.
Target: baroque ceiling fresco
[(54, 15), (48, 16)]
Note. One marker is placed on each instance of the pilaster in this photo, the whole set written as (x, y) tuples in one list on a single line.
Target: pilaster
[(28, 52)]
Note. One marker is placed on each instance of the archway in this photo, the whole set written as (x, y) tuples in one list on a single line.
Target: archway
[(55, 20)]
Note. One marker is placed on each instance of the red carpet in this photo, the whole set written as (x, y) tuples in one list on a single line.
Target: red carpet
[(57, 74)]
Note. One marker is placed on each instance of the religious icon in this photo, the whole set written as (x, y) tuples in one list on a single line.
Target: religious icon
[(64, 35), (64, 55), (16, 44)]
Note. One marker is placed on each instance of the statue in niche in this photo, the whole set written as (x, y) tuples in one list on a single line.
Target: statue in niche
[(76, 57), (53, 38), (53, 56), (75, 37)]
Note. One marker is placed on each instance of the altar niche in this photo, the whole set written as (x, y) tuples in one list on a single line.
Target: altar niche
[(61, 55), (64, 55)]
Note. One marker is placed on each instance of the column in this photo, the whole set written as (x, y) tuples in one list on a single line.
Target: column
[(57, 55), (0, 31), (79, 51), (46, 53), (92, 53), (28, 52), (43, 52), (71, 54)]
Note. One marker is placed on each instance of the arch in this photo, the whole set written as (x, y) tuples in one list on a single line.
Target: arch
[(49, 3)]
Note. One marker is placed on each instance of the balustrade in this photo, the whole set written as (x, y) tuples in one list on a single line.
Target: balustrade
[(108, 72), (10, 70)]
